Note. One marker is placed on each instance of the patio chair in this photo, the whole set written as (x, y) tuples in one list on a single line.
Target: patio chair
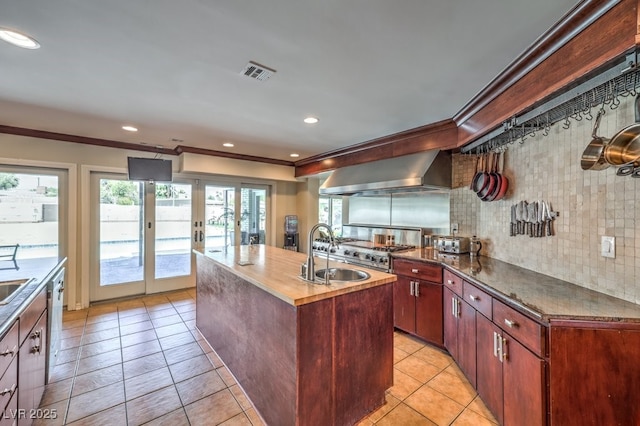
[(8, 254)]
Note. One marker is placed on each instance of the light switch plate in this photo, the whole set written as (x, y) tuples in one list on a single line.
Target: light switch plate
[(454, 228), (608, 246)]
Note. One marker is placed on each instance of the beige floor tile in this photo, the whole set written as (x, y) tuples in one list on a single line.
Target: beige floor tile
[(101, 347), (63, 371), (187, 307), (226, 376), (454, 387), (129, 312), (143, 365), (215, 359), (92, 402), (171, 329), (143, 384), (174, 418), (435, 406), (191, 324), (188, 316), (111, 416), (180, 297), (471, 418), (97, 379), (407, 343), (152, 405), (71, 342), (142, 349), (417, 368), (200, 412), (161, 310), (434, 356), (135, 302), (134, 319), (135, 327), (106, 308), (478, 406), (390, 404), (166, 320), (199, 387), (399, 355), (239, 420), (155, 299), (241, 397), (100, 335), (106, 316), (66, 325), (97, 362), (57, 391), (72, 332), (403, 385), (181, 353), (69, 316), (254, 417), (136, 338), (405, 416), (68, 355), (100, 326), (57, 412), (176, 340), (191, 367)]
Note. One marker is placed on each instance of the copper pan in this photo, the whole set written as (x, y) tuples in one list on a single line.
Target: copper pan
[(624, 147)]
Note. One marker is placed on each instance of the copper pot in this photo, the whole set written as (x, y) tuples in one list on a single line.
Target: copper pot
[(624, 147)]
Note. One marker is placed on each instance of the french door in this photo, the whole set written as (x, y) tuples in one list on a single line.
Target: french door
[(143, 233)]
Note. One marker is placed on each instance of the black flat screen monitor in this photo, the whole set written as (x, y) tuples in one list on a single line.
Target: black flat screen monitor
[(149, 169)]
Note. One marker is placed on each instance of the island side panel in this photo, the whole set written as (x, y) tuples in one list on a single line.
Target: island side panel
[(254, 334), (363, 352)]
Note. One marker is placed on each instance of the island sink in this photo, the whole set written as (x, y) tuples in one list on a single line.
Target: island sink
[(342, 274), (8, 290)]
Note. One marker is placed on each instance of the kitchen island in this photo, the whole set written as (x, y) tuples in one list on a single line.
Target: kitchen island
[(305, 354)]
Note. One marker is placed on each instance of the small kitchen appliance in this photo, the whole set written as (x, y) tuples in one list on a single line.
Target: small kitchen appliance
[(475, 246), (452, 245)]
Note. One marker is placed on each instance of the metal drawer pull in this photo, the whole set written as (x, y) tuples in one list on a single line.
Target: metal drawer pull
[(9, 391), (495, 344), (510, 323), (416, 292), (411, 291), (9, 352), (503, 348), (450, 282), (474, 298), (415, 271), (453, 307)]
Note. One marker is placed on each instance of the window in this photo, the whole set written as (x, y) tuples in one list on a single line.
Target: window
[(330, 212)]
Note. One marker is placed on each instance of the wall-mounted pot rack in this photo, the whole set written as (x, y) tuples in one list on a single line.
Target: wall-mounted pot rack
[(574, 104)]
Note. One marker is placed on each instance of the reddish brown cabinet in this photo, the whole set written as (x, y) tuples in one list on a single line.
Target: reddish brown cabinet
[(460, 333), (417, 306)]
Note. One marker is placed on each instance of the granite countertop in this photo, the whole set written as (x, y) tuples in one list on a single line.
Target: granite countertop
[(277, 271), (539, 295), (38, 272)]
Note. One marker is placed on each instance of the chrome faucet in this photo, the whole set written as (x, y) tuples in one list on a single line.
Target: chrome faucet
[(308, 269)]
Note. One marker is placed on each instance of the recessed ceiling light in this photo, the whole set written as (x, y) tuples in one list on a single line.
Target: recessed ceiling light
[(227, 144), (294, 155), (130, 128), (311, 120), (18, 39)]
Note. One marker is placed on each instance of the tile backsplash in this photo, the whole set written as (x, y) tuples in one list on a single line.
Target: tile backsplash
[(590, 203)]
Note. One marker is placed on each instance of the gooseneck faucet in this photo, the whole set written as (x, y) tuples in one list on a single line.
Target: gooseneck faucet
[(309, 268)]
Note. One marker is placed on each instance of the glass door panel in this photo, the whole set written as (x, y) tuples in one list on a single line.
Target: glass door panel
[(173, 230), (253, 219), (121, 234), (219, 202)]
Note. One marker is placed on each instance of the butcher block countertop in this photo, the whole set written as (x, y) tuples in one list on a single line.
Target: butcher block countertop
[(539, 295), (277, 271)]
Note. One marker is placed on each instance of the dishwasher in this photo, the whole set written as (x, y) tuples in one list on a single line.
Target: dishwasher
[(55, 299)]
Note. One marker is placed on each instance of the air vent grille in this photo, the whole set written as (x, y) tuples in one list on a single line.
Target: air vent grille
[(257, 71)]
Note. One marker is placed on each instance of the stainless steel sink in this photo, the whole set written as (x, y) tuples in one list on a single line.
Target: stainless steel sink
[(342, 274), (8, 290)]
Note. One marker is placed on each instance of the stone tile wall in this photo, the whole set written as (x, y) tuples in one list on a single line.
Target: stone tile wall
[(590, 203)]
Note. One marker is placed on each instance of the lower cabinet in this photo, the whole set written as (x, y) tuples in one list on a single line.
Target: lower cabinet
[(460, 333), (418, 301)]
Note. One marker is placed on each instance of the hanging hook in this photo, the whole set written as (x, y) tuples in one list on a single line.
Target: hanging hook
[(547, 125), (566, 123)]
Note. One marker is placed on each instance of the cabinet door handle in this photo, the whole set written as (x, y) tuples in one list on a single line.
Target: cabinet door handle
[(9, 351), (415, 271), (503, 349), (495, 344), (411, 288), (474, 298), (510, 323), (9, 391), (453, 307), (450, 282), (416, 291)]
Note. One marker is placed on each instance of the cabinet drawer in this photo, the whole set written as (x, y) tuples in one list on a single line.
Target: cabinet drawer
[(420, 270), (31, 315), (8, 347), (477, 298), (453, 281), (9, 383), (524, 329)]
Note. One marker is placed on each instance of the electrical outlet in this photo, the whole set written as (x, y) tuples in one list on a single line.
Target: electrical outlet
[(454, 228), (608, 246)]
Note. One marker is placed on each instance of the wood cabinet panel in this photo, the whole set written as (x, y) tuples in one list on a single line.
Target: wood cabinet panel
[(453, 281), (489, 367), (428, 316), (9, 384), (477, 298), (8, 348), (424, 271), (524, 329), (404, 305), (31, 314), (450, 322), (467, 349), (31, 368)]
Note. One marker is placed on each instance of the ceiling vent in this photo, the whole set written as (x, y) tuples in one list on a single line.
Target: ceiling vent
[(257, 71)]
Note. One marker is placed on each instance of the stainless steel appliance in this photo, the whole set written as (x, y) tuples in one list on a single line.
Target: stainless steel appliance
[(368, 246), (55, 299), (453, 245)]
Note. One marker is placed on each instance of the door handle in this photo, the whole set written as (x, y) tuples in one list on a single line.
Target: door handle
[(411, 291), (195, 236), (201, 236), (416, 292)]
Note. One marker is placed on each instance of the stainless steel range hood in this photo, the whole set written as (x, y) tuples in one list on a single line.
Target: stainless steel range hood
[(428, 170)]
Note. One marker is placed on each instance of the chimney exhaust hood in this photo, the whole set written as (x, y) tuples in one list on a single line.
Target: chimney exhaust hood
[(423, 171)]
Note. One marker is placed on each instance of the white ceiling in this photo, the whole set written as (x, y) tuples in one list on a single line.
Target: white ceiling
[(366, 68)]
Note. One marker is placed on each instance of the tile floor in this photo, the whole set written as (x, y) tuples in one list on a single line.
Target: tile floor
[(141, 361)]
